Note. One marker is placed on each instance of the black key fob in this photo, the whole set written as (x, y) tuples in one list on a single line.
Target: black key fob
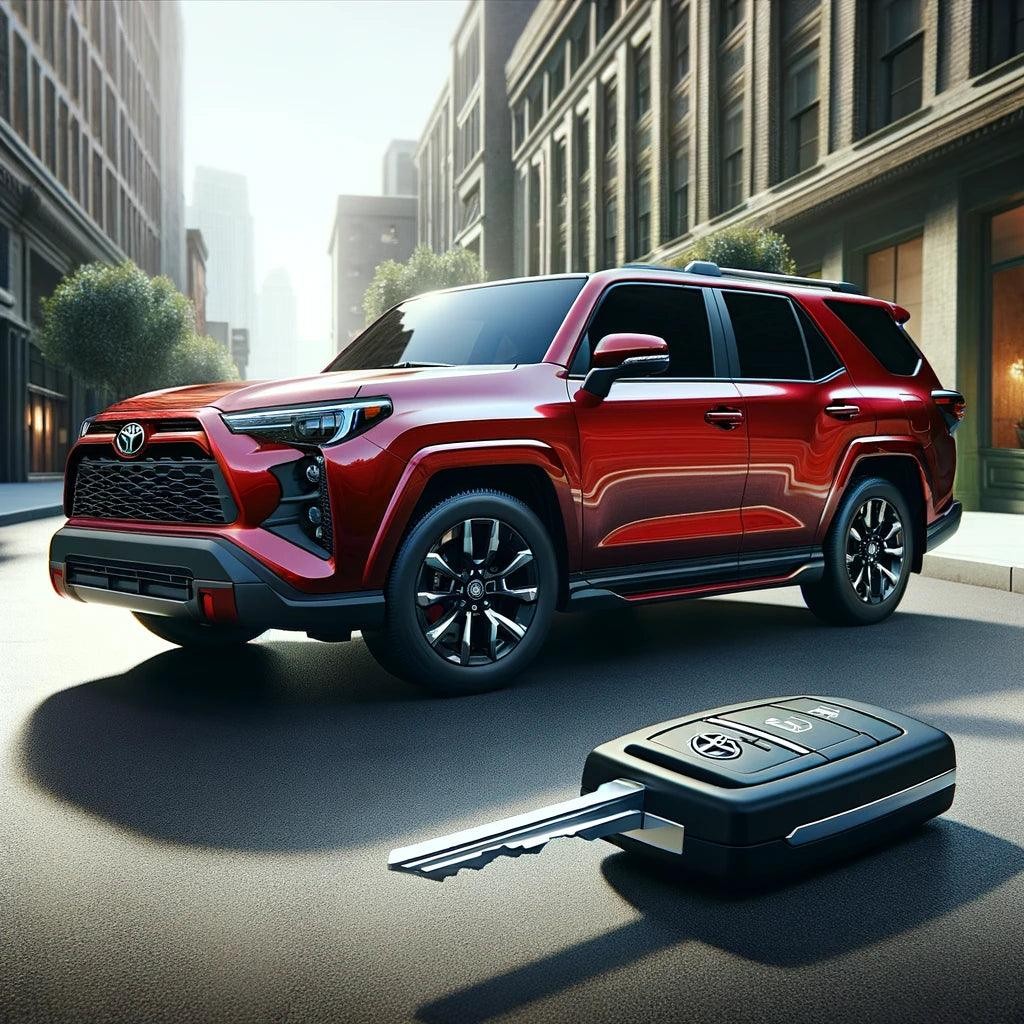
[(769, 788)]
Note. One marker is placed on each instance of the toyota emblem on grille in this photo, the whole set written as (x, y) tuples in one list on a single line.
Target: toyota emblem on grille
[(716, 746), (128, 440)]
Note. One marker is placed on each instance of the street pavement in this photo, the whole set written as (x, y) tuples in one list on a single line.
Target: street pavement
[(188, 837)]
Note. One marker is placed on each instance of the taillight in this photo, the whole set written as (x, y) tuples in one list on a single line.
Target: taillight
[(952, 405)]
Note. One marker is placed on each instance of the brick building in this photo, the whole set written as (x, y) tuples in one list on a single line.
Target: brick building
[(90, 169), (884, 138)]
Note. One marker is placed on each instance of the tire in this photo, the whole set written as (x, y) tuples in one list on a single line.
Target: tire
[(869, 551), (196, 635), (503, 581)]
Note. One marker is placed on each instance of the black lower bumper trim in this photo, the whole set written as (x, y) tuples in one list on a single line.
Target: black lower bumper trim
[(945, 526), (262, 599)]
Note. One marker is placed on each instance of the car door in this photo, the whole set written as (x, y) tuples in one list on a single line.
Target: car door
[(802, 411), (663, 459)]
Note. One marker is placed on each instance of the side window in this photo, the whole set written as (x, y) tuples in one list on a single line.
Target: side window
[(671, 312), (769, 340), (823, 360), (880, 334)]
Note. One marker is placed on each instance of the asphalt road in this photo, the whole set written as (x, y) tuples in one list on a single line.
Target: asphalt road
[(188, 838)]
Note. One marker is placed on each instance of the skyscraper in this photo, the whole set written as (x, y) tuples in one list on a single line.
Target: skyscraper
[(220, 209), (277, 354), (90, 169), (400, 168)]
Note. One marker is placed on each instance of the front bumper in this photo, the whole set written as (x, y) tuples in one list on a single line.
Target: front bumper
[(167, 575)]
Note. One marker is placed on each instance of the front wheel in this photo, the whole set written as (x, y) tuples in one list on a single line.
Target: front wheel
[(197, 635), (470, 595), (868, 554)]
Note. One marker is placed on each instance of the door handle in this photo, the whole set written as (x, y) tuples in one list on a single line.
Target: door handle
[(725, 418), (843, 412)]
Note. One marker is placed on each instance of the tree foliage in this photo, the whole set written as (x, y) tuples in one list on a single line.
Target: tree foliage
[(743, 248), (424, 271), (199, 360), (119, 330)]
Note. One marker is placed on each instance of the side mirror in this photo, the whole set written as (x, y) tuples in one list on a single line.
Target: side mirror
[(618, 356)]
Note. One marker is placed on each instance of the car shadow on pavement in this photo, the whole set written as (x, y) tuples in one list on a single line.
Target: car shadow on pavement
[(933, 871), (295, 745)]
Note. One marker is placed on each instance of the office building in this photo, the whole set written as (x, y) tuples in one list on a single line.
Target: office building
[(196, 255), (883, 138), (400, 168), (87, 164), (463, 159), (278, 355)]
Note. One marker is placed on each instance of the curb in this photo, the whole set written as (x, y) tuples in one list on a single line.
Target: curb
[(978, 574), (26, 515)]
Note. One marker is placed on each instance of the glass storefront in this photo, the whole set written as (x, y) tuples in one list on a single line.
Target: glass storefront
[(1006, 384), (46, 415), (894, 273)]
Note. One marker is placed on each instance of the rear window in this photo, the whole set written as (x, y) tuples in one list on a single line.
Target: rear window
[(880, 334), (492, 325)]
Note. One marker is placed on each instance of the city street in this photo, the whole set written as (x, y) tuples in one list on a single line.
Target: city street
[(193, 837)]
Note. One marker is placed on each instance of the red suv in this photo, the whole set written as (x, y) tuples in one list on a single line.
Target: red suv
[(482, 457)]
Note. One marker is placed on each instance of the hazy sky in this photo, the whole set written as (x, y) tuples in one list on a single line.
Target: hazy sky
[(303, 98)]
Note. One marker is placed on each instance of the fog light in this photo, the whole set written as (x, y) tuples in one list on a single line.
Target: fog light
[(314, 514)]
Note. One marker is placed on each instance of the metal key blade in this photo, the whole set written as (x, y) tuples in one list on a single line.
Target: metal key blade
[(612, 808)]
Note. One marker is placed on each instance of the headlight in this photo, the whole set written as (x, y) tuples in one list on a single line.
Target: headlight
[(86, 424), (322, 424)]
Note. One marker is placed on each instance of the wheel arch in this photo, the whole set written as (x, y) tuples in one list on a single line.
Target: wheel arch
[(901, 464), (528, 470)]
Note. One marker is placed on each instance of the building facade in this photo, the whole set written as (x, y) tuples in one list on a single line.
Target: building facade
[(278, 354), (367, 231), (400, 168), (463, 159), (883, 138), (196, 255), (84, 91)]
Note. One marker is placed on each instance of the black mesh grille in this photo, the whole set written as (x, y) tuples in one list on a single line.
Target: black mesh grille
[(177, 426), (166, 490)]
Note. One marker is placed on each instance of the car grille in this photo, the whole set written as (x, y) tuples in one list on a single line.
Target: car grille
[(172, 489), (184, 425), (168, 582)]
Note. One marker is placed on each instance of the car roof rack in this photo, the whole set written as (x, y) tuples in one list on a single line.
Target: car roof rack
[(708, 269)]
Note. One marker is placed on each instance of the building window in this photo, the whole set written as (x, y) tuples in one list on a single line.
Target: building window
[(607, 12), (642, 213), (894, 274), (559, 184), (470, 214), (731, 152), (679, 191), (5, 257), (642, 83), (800, 130), (611, 117), (1001, 28), (1006, 262), (519, 124), (610, 242), (467, 68), (533, 263), (579, 40), (535, 107), (582, 249), (556, 76), (896, 48), (20, 89), (467, 139), (730, 15), (680, 41)]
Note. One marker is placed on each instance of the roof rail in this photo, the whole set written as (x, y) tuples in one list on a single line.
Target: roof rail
[(713, 270), (708, 269)]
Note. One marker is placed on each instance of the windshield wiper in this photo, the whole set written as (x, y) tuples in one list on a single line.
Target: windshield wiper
[(411, 365)]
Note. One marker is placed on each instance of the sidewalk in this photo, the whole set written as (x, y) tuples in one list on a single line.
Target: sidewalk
[(987, 551), (21, 502)]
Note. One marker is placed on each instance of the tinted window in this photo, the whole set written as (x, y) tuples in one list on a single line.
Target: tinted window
[(768, 337), (881, 335), (823, 360), (500, 324), (676, 314)]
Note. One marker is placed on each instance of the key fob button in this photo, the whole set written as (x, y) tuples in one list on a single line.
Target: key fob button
[(805, 729), (732, 750), (873, 727)]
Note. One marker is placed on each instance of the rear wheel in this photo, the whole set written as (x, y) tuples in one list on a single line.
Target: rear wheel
[(868, 554), (470, 595), (201, 635)]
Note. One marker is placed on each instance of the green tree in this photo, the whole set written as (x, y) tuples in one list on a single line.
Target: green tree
[(114, 327), (743, 248), (198, 360), (424, 271)]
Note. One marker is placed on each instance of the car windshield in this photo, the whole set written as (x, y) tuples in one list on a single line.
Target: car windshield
[(496, 324)]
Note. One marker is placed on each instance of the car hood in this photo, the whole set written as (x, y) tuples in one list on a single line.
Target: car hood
[(241, 395)]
